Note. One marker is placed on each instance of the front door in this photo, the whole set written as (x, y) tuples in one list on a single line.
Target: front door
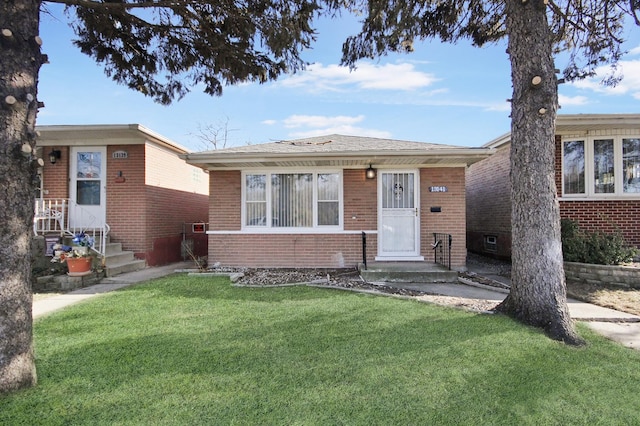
[(87, 187), (398, 216)]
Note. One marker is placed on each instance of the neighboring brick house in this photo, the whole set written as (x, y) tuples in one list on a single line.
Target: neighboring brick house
[(129, 180), (597, 178), (306, 203)]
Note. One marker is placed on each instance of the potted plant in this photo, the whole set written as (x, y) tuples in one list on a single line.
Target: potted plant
[(77, 259), (82, 242)]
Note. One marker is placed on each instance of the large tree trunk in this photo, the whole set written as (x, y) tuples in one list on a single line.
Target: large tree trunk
[(20, 61), (538, 291)]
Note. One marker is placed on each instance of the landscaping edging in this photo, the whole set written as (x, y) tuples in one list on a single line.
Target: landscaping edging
[(623, 276)]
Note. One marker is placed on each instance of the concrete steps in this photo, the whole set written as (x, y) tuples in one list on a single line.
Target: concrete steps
[(117, 261), (407, 272)]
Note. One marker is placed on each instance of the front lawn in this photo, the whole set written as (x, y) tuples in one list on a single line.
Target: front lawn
[(188, 351)]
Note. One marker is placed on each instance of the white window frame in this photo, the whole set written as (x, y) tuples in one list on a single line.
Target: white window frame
[(288, 230), (589, 171)]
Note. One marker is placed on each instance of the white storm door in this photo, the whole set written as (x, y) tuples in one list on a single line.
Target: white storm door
[(87, 187), (398, 221)]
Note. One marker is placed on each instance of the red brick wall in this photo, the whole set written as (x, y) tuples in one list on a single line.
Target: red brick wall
[(360, 202), (600, 215), (126, 212), (607, 216), (451, 219), (169, 212), (225, 192), (146, 219), (333, 250), (488, 208), (55, 177), (290, 250)]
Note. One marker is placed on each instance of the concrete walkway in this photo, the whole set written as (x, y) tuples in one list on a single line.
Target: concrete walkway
[(54, 303), (618, 326)]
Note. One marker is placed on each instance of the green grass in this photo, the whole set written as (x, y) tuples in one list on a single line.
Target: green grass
[(186, 351)]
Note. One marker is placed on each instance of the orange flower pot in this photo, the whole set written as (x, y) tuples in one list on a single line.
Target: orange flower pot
[(78, 265)]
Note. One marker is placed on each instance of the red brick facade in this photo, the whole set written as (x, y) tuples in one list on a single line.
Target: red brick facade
[(146, 218), (600, 215), (489, 206), (335, 249), (452, 215)]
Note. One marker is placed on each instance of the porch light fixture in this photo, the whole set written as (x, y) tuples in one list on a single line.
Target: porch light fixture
[(54, 156), (370, 173)]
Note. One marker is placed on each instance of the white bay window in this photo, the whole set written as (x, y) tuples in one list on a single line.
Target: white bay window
[(601, 167), (300, 200)]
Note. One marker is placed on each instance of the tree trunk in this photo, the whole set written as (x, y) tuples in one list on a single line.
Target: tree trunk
[(538, 291), (19, 65)]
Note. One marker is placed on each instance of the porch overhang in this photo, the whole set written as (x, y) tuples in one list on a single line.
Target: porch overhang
[(103, 134), (455, 157)]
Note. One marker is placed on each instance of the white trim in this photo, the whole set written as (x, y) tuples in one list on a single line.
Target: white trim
[(416, 199), (87, 216), (589, 155), (289, 230), (399, 259)]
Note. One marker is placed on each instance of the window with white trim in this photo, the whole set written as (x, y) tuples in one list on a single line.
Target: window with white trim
[(280, 200), (601, 167), (631, 165)]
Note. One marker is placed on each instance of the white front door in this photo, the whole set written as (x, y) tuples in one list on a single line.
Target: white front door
[(87, 187), (398, 216)]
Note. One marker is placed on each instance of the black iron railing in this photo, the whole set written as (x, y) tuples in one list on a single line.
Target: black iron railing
[(364, 249), (442, 249)]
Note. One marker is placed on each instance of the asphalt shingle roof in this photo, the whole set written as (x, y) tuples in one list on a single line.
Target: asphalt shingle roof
[(333, 144)]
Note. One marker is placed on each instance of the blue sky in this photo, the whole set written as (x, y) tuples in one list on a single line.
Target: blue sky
[(440, 93)]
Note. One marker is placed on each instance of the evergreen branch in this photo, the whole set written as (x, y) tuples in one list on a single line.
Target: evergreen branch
[(99, 5)]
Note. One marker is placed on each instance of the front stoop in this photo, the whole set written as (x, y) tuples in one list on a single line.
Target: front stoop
[(407, 272), (117, 261)]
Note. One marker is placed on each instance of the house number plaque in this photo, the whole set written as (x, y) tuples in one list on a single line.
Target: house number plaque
[(438, 189)]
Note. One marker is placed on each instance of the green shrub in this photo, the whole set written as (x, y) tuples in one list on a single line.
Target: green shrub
[(597, 247)]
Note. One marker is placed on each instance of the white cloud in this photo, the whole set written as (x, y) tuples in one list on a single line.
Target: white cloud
[(318, 125), (635, 51), (317, 77), (342, 130), (630, 84), (572, 100), (297, 121), (269, 122)]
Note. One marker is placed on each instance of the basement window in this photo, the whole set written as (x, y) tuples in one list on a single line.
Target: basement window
[(491, 243)]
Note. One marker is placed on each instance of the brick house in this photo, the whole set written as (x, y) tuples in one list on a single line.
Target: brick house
[(307, 202), (124, 181), (597, 173)]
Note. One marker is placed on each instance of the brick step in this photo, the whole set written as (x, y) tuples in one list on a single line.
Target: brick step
[(118, 257), (410, 272), (127, 266)]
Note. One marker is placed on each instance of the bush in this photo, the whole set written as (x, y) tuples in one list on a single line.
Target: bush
[(597, 247)]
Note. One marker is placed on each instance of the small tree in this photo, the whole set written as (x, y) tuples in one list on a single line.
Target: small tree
[(214, 136)]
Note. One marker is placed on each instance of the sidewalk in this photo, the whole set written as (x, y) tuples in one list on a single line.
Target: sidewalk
[(618, 326), (54, 303)]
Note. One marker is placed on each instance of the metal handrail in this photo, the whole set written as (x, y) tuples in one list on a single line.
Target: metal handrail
[(364, 249), (442, 249), (52, 215)]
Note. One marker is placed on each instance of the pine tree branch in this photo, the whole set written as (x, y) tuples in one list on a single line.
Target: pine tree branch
[(99, 5)]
